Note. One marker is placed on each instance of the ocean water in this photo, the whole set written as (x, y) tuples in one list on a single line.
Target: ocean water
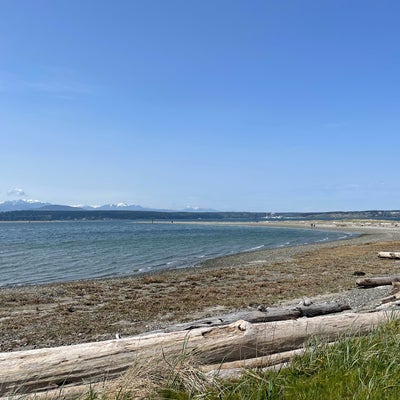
[(43, 252)]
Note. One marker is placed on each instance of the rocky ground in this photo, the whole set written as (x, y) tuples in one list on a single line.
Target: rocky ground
[(76, 312)]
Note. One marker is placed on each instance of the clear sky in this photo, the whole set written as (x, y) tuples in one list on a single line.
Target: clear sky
[(233, 105)]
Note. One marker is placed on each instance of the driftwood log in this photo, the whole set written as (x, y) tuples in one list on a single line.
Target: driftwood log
[(389, 304), (377, 281), (257, 362), (44, 369), (393, 297), (269, 315), (389, 254)]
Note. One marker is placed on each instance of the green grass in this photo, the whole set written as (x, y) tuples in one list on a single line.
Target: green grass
[(366, 367)]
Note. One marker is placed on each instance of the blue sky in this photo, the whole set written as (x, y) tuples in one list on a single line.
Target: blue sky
[(232, 105)]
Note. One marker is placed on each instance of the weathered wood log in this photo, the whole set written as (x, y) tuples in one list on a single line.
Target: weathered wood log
[(269, 315), (389, 299), (272, 314), (232, 369), (377, 281), (388, 305), (393, 297), (329, 307), (81, 391), (389, 254), (258, 362), (236, 373), (40, 369)]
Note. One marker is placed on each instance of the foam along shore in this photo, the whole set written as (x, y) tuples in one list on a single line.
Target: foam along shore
[(88, 311)]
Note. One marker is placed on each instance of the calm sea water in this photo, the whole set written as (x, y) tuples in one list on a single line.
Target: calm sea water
[(45, 252)]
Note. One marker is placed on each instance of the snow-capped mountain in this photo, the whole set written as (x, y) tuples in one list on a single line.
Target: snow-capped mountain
[(118, 206), (198, 209), (24, 205), (20, 205)]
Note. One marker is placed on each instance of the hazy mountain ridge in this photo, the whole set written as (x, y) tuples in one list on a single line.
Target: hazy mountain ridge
[(118, 206), (37, 209), (27, 205)]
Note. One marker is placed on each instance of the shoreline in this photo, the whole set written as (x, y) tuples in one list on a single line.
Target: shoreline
[(190, 261), (84, 311), (370, 233)]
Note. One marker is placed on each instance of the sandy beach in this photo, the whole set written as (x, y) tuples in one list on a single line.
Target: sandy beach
[(85, 311)]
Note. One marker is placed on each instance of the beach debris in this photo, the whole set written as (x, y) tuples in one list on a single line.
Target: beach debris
[(329, 307), (377, 281), (389, 254), (359, 273), (390, 299), (269, 315), (306, 302), (393, 299), (387, 305)]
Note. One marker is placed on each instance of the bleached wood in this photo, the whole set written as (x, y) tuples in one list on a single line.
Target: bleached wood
[(258, 362), (41, 369), (389, 299), (377, 281), (269, 315), (329, 307), (387, 305), (236, 373), (389, 254)]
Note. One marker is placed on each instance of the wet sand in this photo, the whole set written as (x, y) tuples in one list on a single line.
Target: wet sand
[(85, 311)]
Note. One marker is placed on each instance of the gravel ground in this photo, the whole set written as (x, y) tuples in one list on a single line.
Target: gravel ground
[(359, 299)]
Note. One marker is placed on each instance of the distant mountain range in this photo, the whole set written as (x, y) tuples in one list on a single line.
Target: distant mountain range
[(36, 210), (30, 210), (27, 205)]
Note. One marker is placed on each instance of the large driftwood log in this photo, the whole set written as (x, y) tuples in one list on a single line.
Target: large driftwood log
[(269, 315), (233, 369), (377, 281), (389, 254), (40, 369)]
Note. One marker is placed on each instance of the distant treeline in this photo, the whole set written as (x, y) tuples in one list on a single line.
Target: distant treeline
[(40, 215), (338, 215), (58, 215)]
